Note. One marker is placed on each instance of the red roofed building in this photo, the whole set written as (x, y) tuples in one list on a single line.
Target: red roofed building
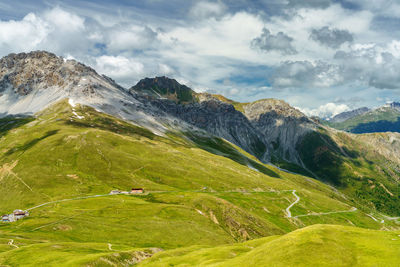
[(137, 191)]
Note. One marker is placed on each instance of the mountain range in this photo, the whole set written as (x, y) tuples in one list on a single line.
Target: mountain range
[(216, 173), (364, 120), (344, 116)]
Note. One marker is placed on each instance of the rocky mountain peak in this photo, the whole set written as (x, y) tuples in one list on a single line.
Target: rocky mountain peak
[(256, 109), (41, 55), (26, 72), (31, 81), (164, 87)]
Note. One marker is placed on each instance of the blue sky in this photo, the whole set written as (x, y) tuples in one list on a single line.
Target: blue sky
[(322, 56)]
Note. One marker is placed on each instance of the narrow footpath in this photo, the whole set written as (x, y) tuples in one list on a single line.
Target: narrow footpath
[(65, 200), (353, 209), (289, 214)]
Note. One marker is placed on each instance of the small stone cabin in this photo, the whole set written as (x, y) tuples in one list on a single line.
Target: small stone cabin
[(115, 192), (5, 218)]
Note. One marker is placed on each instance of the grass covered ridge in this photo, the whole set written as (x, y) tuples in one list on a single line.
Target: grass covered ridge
[(317, 245)]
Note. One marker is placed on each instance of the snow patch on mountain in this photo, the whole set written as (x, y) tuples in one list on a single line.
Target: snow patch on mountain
[(71, 102)]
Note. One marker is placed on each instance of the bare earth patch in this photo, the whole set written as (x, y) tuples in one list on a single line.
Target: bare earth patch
[(73, 176)]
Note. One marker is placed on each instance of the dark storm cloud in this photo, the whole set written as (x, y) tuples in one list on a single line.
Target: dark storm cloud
[(309, 3), (274, 42)]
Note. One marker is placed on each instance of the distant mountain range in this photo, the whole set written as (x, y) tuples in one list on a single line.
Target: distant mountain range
[(341, 117), (364, 120)]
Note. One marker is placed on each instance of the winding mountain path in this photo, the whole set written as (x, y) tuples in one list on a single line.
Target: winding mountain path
[(372, 217), (390, 218), (353, 209), (65, 200), (289, 214), (104, 195)]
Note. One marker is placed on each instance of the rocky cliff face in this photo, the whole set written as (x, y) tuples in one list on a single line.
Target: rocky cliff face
[(264, 128), (201, 111), (386, 144), (281, 127), (219, 119)]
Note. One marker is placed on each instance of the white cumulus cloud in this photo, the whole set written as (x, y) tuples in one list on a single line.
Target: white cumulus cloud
[(22, 35), (327, 110), (118, 67)]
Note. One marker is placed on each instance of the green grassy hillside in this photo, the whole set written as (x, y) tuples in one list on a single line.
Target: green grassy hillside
[(318, 245), (353, 166), (197, 193)]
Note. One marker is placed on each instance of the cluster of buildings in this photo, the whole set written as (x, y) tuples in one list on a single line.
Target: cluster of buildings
[(15, 216), (132, 192), (20, 214)]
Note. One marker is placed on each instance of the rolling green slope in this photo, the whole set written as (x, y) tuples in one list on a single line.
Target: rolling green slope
[(318, 245), (353, 166), (198, 193)]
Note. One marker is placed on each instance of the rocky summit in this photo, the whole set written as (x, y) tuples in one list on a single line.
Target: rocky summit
[(31, 81), (264, 128), (165, 87), (33, 71)]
